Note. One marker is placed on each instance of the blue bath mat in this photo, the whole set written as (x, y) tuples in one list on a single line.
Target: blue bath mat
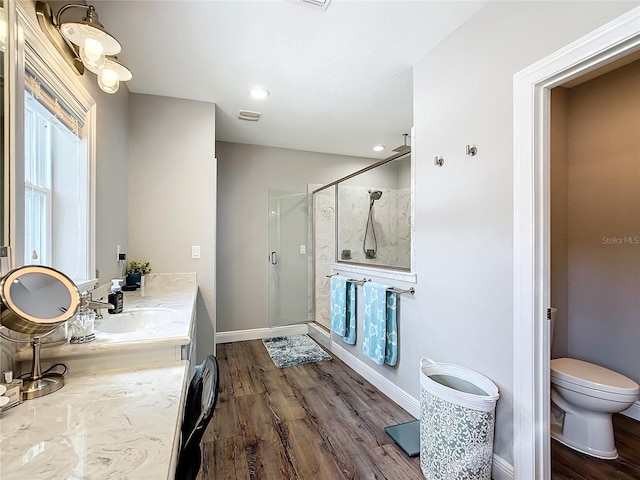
[(294, 350)]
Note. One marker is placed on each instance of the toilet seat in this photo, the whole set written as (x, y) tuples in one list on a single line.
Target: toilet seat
[(592, 377)]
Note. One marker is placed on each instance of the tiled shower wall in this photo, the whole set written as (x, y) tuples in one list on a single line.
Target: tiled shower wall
[(324, 241), (390, 219)]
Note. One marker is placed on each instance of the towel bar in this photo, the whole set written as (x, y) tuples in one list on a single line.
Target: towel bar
[(351, 280), (362, 282), (400, 290)]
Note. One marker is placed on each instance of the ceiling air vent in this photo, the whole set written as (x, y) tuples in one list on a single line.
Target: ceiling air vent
[(249, 115)]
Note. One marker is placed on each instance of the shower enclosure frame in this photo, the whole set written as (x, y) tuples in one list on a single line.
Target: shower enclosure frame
[(355, 268), (337, 226)]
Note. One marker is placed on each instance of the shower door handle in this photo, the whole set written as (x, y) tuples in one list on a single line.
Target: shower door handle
[(274, 258)]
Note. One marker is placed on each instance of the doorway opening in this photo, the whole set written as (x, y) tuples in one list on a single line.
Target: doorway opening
[(605, 46)]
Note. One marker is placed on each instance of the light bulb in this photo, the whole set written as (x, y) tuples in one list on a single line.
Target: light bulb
[(92, 55), (91, 64), (108, 81)]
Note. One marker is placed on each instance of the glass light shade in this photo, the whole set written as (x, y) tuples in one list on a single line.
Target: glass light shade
[(79, 32), (124, 74), (92, 53), (378, 148), (108, 81)]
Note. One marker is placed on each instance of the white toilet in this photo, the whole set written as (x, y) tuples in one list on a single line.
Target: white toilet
[(588, 396)]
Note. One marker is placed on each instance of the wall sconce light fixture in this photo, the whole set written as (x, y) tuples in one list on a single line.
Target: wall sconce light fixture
[(85, 44)]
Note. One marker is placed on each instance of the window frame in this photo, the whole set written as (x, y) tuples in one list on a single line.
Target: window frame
[(45, 191), (32, 49)]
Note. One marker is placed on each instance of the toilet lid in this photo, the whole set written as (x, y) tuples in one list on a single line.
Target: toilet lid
[(592, 376)]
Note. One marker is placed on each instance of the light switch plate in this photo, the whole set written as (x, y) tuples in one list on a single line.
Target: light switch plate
[(195, 251)]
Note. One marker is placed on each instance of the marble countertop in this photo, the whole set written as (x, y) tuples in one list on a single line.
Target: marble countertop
[(165, 304), (120, 424)]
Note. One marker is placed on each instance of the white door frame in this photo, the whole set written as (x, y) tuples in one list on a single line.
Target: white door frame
[(531, 114)]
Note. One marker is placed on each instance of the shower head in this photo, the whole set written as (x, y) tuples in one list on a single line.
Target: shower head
[(375, 195)]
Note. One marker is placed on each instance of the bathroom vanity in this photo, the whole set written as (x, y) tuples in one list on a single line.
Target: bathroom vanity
[(122, 423), (120, 410), (156, 325)]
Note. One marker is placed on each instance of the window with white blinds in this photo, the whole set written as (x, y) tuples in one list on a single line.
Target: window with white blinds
[(55, 162), (56, 183)]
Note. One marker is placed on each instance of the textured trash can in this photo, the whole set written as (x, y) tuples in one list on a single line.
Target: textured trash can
[(457, 419)]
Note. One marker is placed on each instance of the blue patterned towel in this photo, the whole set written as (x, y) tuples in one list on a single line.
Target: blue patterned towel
[(343, 308), (350, 320), (391, 349), (339, 304), (380, 338)]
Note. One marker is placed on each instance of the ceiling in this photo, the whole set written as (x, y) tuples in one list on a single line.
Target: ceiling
[(340, 78)]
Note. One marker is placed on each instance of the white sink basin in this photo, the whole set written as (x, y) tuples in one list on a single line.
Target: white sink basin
[(136, 320)]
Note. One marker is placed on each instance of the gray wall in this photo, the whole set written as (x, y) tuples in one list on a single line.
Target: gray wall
[(112, 171), (172, 194), (463, 309), (245, 175), (603, 221), (559, 215)]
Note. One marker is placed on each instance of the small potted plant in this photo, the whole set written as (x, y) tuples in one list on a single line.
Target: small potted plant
[(136, 271)]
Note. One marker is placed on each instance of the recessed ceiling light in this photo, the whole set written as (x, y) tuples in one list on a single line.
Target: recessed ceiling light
[(378, 148), (259, 92)]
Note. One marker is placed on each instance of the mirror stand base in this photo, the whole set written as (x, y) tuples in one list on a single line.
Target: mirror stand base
[(48, 383)]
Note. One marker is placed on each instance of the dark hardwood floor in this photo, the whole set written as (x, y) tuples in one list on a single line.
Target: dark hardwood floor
[(316, 421), (323, 421), (567, 464)]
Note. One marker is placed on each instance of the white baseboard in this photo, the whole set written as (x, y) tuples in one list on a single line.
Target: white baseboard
[(501, 469), (320, 335), (399, 396), (258, 333), (633, 411)]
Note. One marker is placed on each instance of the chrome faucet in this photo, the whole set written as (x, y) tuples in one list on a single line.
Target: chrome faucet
[(97, 305)]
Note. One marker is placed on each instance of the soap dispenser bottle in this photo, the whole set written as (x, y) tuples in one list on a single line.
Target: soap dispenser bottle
[(116, 297), (81, 326)]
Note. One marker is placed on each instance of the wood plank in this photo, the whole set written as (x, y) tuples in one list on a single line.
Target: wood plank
[(567, 464), (243, 365), (226, 421), (308, 451), (224, 458), (393, 463), (324, 421), (313, 421), (261, 432)]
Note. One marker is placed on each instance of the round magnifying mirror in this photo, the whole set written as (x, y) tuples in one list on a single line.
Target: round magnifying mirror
[(38, 299)]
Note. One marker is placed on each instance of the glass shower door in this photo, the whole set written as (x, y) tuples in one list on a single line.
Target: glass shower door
[(289, 299)]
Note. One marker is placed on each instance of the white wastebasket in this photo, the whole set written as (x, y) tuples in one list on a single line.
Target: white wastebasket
[(457, 419)]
